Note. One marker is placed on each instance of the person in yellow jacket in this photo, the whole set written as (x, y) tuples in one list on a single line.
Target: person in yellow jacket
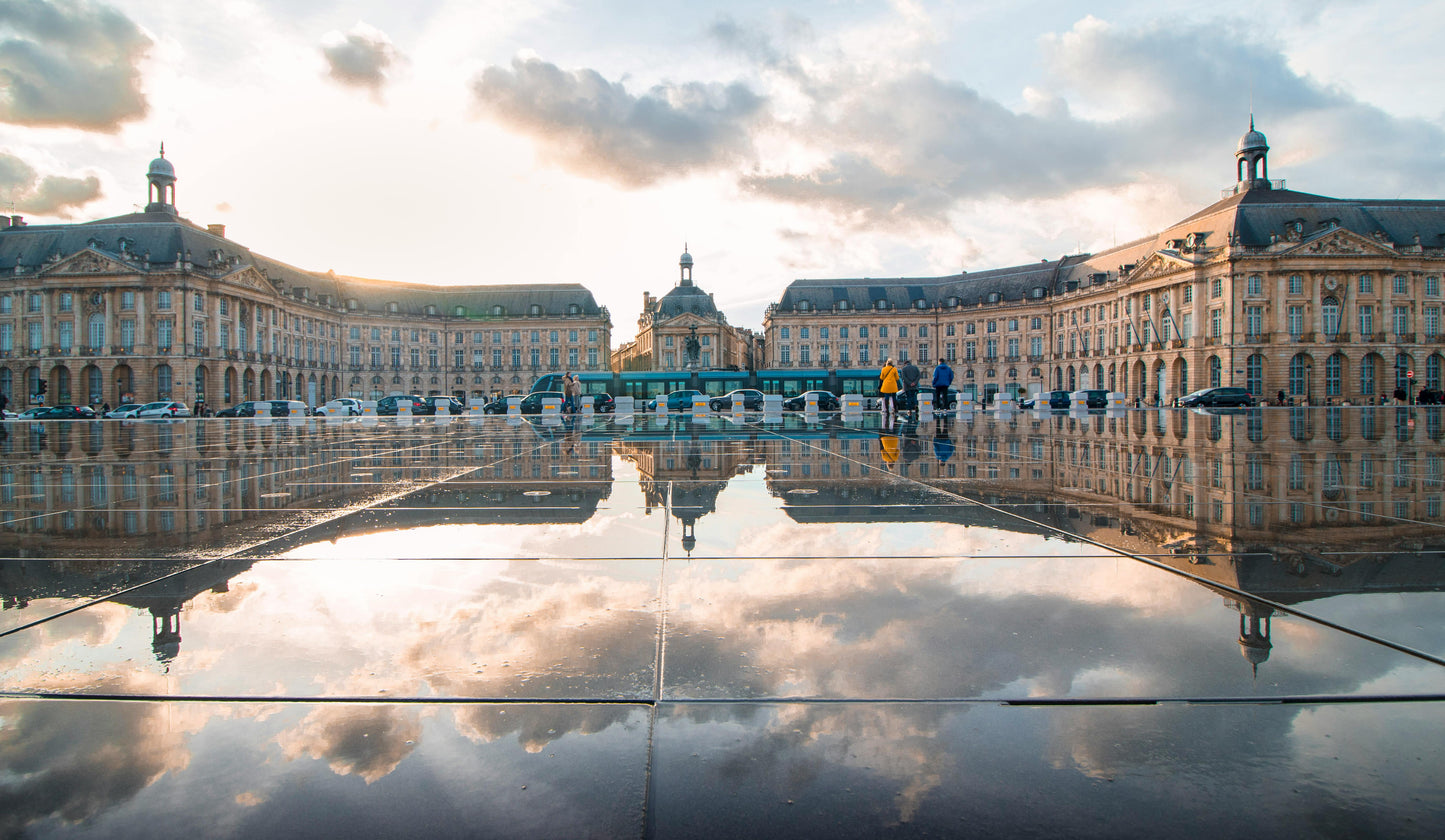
[(889, 387)]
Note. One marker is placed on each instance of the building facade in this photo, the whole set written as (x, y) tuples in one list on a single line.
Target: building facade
[(150, 306), (1326, 300), (668, 323)]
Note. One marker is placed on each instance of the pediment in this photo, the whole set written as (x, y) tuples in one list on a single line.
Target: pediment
[(251, 278), (1339, 242), (1158, 264), (89, 262)]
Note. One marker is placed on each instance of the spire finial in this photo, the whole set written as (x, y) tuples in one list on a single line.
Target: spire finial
[(163, 146)]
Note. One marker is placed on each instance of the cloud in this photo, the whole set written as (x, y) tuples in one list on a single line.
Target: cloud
[(51, 195), (367, 741), (362, 57), (597, 128), (70, 63)]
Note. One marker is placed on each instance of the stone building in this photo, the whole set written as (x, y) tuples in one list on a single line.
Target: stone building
[(669, 322), (151, 306), (1325, 299)]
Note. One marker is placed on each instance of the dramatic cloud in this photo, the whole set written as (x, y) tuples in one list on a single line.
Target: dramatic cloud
[(52, 195), (69, 63), (361, 58), (367, 741), (596, 128)]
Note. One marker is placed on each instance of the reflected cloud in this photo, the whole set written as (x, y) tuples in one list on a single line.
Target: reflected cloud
[(365, 741)]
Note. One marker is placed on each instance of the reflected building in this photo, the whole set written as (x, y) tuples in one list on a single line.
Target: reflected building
[(687, 474)]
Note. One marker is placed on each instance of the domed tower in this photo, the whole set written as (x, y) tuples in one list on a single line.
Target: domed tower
[(1252, 160), (684, 264), (1254, 643), (161, 195)]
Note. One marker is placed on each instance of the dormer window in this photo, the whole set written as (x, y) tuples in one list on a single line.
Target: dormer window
[(953, 302), (460, 312), (842, 306), (920, 304), (574, 309), (430, 309), (535, 310), (499, 310), (393, 307), (993, 297), (880, 304)]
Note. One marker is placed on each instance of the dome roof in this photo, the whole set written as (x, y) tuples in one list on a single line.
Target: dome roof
[(161, 168), (685, 259), (1253, 140), (684, 299)]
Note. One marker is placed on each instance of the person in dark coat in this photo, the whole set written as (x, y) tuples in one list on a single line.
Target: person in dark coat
[(910, 376), (942, 378)]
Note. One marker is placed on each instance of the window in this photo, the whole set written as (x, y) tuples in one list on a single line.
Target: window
[(1215, 372), (784, 333), (1254, 374), (1036, 323), (1401, 320), (7, 305), (1253, 321), (67, 301), (1295, 320), (66, 337), (1367, 321), (199, 302), (1216, 323), (1402, 370), (164, 331), (1216, 287), (1188, 298), (785, 354), (1432, 286), (1401, 285), (1334, 369), (32, 303), (225, 304), (1296, 284), (1330, 316), (1254, 285), (992, 327), (1368, 376), (97, 331), (1432, 321), (803, 333)]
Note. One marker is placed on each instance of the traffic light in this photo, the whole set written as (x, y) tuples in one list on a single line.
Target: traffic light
[(44, 386)]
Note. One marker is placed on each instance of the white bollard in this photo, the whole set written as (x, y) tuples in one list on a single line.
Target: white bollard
[(852, 403), (368, 408), (623, 407), (1003, 402), (589, 407), (661, 407), (476, 406), (551, 407), (1079, 401), (699, 406), (1117, 401), (514, 405), (738, 407), (965, 404), (925, 404), (403, 408), (773, 404)]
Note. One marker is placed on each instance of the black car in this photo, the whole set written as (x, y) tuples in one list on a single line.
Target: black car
[(752, 400), (65, 412), (532, 403), (442, 404), (903, 401), (1050, 399), (386, 406), (827, 401), (1218, 397), (602, 403), (496, 406)]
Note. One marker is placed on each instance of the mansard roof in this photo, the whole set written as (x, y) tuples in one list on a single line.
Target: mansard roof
[(1014, 283), (160, 241), (684, 299)]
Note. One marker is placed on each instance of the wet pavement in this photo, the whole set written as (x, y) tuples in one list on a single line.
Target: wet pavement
[(1156, 623)]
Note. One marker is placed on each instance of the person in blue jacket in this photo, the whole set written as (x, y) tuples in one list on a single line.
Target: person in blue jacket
[(942, 378)]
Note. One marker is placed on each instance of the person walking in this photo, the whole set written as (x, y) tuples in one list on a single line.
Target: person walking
[(569, 388), (889, 387), (911, 377), (942, 378)]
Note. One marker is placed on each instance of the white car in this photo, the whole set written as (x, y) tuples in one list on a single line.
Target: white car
[(164, 408), (124, 410), (345, 406)]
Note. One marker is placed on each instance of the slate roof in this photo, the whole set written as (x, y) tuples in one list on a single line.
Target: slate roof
[(684, 299), (163, 236)]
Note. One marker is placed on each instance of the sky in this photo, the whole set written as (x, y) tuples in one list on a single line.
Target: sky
[(482, 141)]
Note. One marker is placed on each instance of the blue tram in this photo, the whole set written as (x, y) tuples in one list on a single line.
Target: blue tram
[(788, 382)]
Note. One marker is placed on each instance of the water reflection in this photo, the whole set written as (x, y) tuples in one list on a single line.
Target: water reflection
[(957, 559)]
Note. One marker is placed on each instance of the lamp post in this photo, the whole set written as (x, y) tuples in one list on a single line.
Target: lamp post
[(1309, 384)]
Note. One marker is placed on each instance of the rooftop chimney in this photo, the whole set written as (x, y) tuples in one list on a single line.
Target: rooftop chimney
[(216, 230)]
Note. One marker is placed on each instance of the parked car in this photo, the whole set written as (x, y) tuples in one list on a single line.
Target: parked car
[(32, 413), (532, 403), (386, 406), (906, 403), (677, 400), (751, 399), (827, 401), (1226, 396), (496, 406), (1049, 399), (345, 406), (60, 412), (123, 411), (602, 403), (444, 404), (163, 408)]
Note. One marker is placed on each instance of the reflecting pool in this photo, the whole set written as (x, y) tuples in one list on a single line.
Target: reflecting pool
[(1029, 623)]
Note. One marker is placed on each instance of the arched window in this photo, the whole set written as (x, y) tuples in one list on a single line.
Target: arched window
[(1334, 374), (1330, 316), (97, 332), (163, 382), (1254, 375), (1216, 372), (1298, 375), (200, 382), (1183, 376), (1368, 376), (1402, 370)]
